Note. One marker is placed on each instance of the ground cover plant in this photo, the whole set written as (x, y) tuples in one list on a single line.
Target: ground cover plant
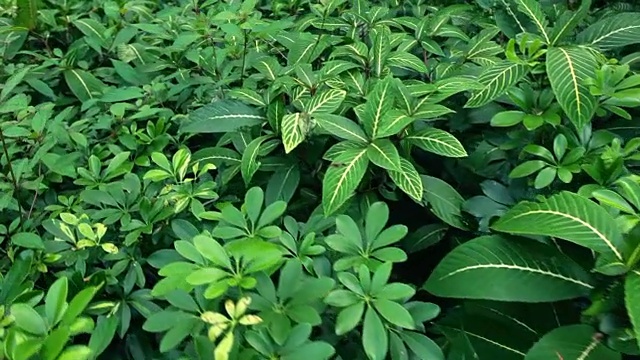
[(333, 179)]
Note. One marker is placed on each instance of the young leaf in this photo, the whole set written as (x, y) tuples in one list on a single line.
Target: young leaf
[(383, 153), (566, 216), (342, 178), (294, 130), (571, 342), (408, 180), (438, 142), (568, 70), (519, 270), (496, 80)]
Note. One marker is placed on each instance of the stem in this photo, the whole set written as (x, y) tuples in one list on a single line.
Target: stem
[(244, 52), (5, 148), (324, 18)]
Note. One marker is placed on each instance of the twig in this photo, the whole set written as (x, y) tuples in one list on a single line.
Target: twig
[(13, 174)]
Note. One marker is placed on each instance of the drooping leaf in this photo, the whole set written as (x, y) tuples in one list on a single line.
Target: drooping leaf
[(572, 342), (632, 300), (222, 116), (438, 142), (496, 80), (520, 270), (566, 216), (568, 70), (612, 32), (444, 200)]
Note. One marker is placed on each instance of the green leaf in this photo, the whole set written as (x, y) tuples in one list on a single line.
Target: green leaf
[(83, 84), (566, 216), (408, 180), (349, 317), (27, 319), (76, 352), (519, 270), (568, 70), (495, 81), (383, 153), (212, 250), (632, 300), (438, 142), (27, 14), (507, 118), (380, 50), (325, 102), (342, 178), (27, 240), (568, 21), (572, 342), (77, 305), (404, 60), (533, 10), (294, 129), (393, 122), (379, 102), (612, 32), (446, 202), (222, 116), (394, 313), (422, 346), (341, 127), (250, 163), (283, 184), (56, 301), (375, 339)]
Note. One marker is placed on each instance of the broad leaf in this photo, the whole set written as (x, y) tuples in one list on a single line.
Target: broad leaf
[(325, 102), (221, 117), (250, 163), (379, 102), (566, 216), (612, 32), (408, 180), (444, 200), (393, 122), (438, 142), (404, 60), (342, 178), (568, 21), (496, 80), (341, 127), (568, 70), (520, 270), (572, 342), (380, 51), (294, 130)]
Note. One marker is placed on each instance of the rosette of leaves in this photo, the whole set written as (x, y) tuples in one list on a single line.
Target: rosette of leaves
[(373, 248), (386, 321)]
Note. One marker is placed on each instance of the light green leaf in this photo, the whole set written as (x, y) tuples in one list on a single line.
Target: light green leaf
[(27, 319), (294, 130), (394, 313), (520, 270), (375, 339), (568, 70), (341, 127), (571, 342), (325, 102), (221, 117), (438, 142), (566, 216), (379, 102), (383, 153), (495, 81), (408, 180), (632, 300), (342, 178), (56, 301), (533, 10), (612, 32)]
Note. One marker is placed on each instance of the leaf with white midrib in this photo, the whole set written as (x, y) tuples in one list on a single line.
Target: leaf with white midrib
[(496, 80), (566, 216), (532, 9), (510, 269), (438, 142), (408, 179), (632, 300), (577, 342), (568, 70), (342, 178), (612, 32)]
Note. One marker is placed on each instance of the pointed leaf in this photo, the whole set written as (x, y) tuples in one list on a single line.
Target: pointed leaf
[(294, 130), (325, 102), (408, 180), (250, 164), (579, 342), (341, 127), (567, 216), (393, 122), (495, 81), (438, 142), (533, 10), (520, 270), (612, 32), (342, 178), (379, 102), (632, 300), (220, 117), (383, 153), (375, 339), (568, 70)]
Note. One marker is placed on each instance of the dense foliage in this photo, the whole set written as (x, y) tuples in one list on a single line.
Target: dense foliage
[(333, 179)]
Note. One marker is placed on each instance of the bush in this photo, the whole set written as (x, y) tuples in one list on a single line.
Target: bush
[(319, 180)]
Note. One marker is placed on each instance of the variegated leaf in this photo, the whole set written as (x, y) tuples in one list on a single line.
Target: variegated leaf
[(342, 178), (408, 180), (341, 127), (438, 142), (294, 130), (496, 80), (325, 102), (384, 154), (533, 10), (379, 102)]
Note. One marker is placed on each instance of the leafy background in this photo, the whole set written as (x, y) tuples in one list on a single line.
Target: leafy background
[(334, 179)]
